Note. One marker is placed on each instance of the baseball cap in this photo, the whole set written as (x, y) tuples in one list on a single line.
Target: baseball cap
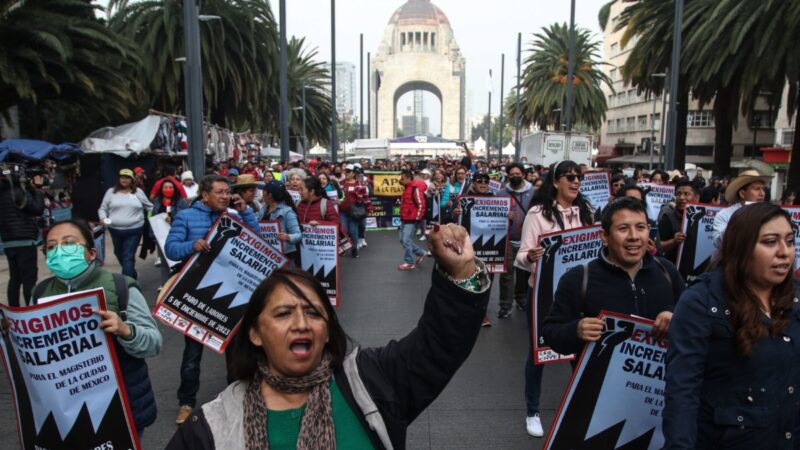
[(481, 176), (126, 173), (349, 167), (138, 169), (233, 171)]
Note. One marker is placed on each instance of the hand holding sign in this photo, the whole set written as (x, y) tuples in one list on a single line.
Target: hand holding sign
[(452, 249), (661, 325), (590, 329), (112, 324)]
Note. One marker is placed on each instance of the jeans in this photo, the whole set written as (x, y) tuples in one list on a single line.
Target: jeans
[(362, 228), (351, 227), (125, 244), (190, 372), (513, 283), (533, 372), (412, 250), (22, 271)]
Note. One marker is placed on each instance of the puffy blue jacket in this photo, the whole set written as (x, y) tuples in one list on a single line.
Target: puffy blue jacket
[(289, 225), (192, 224)]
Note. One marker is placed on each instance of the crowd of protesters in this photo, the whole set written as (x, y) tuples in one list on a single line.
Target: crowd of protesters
[(733, 320)]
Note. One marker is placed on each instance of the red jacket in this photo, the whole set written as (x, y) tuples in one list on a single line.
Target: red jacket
[(354, 192), (157, 187), (412, 205), (308, 211)]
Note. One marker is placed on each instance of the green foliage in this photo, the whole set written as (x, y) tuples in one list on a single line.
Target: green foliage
[(603, 15), (544, 83), (479, 130), (67, 71)]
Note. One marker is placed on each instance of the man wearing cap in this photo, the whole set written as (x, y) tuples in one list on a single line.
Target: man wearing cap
[(748, 187), (233, 174), (191, 188)]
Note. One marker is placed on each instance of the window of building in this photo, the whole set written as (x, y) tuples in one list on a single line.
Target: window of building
[(610, 125), (611, 101), (402, 39), (632, 96), (613, 74), (787, 138), (656, 120), (642, 122), (433, 41), (631, 126), (761, 119), (418, 38), (614, 49), (622, 99), (620, 125), (700, 119)]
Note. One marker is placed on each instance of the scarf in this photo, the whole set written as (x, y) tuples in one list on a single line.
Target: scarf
[(316, 430)]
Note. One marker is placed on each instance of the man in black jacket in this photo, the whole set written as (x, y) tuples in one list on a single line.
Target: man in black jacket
[(625, 279), (21, 201)]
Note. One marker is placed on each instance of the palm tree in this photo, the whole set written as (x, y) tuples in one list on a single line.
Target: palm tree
[(67, 71), (314, 77), (544, 82)]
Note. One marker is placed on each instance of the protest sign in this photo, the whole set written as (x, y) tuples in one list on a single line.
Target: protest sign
[(270, 229), (207, 300), (563, 250), (318, 256), (695, 252), (794, 211), (385, 213), (295, 196), (596, 188), (495, 186), (486, 219), (386, 184), (160, 227), (616, 395), (65, 381), (657, 195)]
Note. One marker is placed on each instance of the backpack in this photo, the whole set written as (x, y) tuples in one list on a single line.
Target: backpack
[(120, 285)]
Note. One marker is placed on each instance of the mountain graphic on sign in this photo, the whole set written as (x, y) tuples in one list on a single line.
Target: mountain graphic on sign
[(495, 242), (83, 434), (223, 287), (614, 437)]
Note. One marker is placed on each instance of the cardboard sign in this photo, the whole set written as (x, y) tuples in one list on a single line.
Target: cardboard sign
[(616, 395), (385, 213), (295, 196), (270, 229), (794, 211), (596, 188), (563, 250), (694, 254), (495, 186), (319, 256), (160, 227), (208, 298), (387, 184), (657, 196), (65, 380), (486, 219)]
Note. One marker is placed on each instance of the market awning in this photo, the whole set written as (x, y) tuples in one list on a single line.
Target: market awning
[(125, 139), (645, 159), (32, 150)]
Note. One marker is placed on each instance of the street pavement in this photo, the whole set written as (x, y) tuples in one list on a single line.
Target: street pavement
[(483, 407)]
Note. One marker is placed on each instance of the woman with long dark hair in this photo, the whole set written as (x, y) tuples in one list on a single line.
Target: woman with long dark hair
[(279, 206), (733, 374), (556, 206)]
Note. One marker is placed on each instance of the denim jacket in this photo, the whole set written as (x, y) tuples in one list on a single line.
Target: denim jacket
[(289, 225)]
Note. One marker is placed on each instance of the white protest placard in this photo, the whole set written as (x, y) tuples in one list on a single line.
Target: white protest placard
[(295, 196), (160, 227), (320, 258), (616, 394), (66, 383), (563, 250), (486, 219), (596, 188), (270, 229), (657, 195), (208, 298)]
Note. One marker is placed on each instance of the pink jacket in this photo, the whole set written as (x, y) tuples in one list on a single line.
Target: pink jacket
[(534, 226)]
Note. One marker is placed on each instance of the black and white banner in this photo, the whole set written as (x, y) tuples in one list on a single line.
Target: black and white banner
[(657, 195), (616, 395), (486, 219), (319, 256), (694, 254), (66, 383), (562, 251), (794, 211), (270, 229), (208, 298), (596, 188)]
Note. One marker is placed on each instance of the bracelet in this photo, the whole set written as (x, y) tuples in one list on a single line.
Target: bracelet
[(471, 283)]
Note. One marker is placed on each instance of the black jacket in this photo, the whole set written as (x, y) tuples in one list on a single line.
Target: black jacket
[(19, 223), (401, 378), (655, 288)]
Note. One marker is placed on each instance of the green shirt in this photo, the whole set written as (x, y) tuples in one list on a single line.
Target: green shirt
[(283, 427)]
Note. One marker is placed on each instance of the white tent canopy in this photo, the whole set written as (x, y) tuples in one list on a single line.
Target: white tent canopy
[(123, 140), (275, 153)]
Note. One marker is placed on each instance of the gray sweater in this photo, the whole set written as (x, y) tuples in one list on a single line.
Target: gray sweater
[(126, 210)]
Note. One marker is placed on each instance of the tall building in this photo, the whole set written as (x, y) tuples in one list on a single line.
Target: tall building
[(632, 120), (345, 89)]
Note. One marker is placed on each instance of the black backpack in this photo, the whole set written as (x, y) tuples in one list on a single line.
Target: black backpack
[(120, 285)]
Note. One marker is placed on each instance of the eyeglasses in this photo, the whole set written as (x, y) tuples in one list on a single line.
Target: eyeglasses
[(571, 177), (69, 247), (482, 181)]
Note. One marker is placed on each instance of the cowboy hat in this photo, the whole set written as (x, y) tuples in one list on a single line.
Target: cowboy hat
[(246, 181), (738, 183)]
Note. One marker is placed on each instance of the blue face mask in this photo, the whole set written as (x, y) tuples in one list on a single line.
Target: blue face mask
[(67, 261)]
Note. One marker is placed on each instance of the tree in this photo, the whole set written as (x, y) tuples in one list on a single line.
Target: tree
[(544, 83), (67, 71), (479, 130)]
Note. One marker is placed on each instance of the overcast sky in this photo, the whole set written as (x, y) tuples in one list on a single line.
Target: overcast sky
[(483, 30)]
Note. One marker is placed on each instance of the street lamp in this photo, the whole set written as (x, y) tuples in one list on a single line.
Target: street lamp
[(303, 108), (653, 120)]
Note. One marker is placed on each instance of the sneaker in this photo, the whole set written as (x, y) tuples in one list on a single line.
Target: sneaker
[(420, 258), (362, 242), (521, 306), (354, 254), (158, 262), (423, 238), (183, 414), (504, 313), (534, 425), (406, 266), (419, 232), (429, 254), (486, 322)]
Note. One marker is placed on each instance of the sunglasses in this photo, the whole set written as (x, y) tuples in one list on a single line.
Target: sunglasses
[(571, 177), (481, 181)]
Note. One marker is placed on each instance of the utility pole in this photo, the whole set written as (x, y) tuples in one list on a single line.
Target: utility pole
[(334, 116), (489, 122), (369, 101), (193, 89), (570, 67), (283, 81), (361, 86), (675, 70), (502, 112), (517, 148)]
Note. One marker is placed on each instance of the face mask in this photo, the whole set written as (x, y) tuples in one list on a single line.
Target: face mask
[(338, 174), (515, 181), (67, 262), (168, 192)]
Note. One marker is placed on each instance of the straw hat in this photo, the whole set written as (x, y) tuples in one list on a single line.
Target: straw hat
[(246, 181), (744, 178)]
